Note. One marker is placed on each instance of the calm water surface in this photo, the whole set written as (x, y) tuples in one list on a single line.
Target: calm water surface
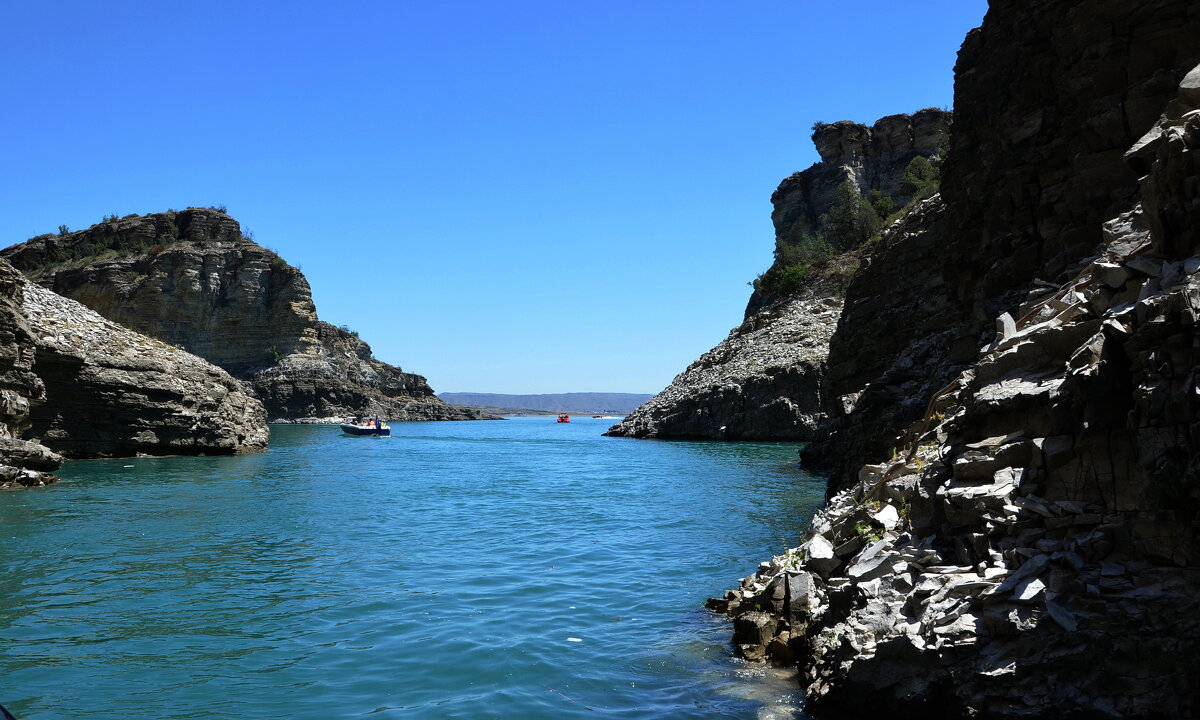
[(520, 569)]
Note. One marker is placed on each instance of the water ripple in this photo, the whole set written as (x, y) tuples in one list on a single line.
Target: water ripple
[(522, 568)]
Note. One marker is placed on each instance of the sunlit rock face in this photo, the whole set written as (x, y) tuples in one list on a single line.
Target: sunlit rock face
[(22, 462), (113, 392), (873, 157), (763, 382), (192, 279)]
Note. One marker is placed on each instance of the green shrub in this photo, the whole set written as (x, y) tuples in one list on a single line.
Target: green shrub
[(851, 221), (63, 229), (921, 179), (883, 205)]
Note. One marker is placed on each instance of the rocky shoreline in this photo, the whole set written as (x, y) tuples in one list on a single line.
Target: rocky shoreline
[(1011, 530)]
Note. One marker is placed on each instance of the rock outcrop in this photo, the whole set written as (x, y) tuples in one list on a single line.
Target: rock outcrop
[(1035, 547), (1032, 547), (22, 462), (762, 382), (112, 392), (1047, 101), (874, 158), (192, 279)]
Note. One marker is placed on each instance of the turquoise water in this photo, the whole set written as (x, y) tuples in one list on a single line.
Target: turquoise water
[(522, 568)]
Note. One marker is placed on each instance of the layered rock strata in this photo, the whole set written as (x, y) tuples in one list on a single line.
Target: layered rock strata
[(192, 279), (22, 462), (762, 382), (1047, 101), (1032, 549), (113, 392)]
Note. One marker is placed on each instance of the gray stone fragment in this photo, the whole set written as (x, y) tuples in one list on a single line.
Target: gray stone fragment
[(1029, 590), (1145, 265), (1006, 327), (888, 517), (801, 593), (820, 556), (754, 629), (1189, 89), (1112, 275), (1064, 617)]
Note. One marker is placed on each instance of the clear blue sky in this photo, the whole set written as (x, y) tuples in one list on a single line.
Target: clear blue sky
[(516, 196)]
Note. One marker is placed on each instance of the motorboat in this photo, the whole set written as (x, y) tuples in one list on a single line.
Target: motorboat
[(375, 427)]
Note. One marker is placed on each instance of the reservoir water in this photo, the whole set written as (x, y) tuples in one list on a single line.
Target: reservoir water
[(518, 569)]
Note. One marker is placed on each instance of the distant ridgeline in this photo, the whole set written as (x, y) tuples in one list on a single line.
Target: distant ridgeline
[(193, 279), (763, 382), (582, 402)]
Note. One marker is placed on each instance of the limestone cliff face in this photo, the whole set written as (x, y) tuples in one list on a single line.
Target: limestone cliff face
[(192, 279), (1037, 551), (761, 383), (113, 392), (22, 462), (1047, 102)]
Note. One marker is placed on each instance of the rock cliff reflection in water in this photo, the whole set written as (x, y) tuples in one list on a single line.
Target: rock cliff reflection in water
[(506, 569)]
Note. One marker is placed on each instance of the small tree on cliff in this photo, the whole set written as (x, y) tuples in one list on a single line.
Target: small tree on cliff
[(851, 221), (921, 178)]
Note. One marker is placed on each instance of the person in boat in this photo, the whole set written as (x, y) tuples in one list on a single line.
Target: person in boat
[(378, 424)]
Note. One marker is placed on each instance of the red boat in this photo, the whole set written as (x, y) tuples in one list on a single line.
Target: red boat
[(563, 417)]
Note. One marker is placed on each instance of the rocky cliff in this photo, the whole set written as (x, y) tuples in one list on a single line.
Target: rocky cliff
[(22, 462), (192, 279), (1047, 102), (87, 387), (764, 381), (873, 158), (1024, 349), (113, 392)]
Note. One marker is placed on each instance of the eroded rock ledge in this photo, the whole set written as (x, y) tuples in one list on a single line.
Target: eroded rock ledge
[(1032, 549)]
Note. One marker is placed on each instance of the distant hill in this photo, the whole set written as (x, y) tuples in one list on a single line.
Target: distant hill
[(582, 402)]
